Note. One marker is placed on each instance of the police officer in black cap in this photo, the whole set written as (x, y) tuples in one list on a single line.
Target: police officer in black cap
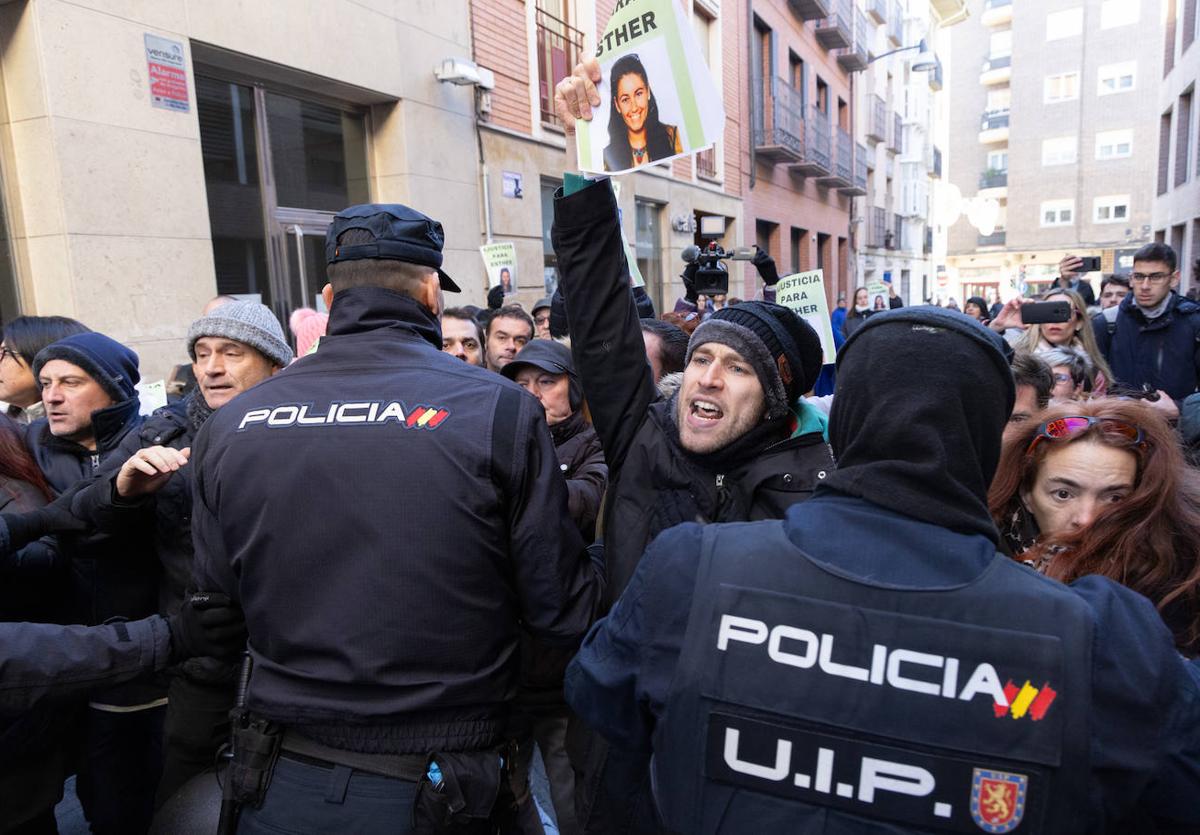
[(871, 664), (386, 515)]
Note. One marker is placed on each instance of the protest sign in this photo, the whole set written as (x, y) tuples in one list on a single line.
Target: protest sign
[(876, 288), (805, 294), (500, 261), (658, 99)]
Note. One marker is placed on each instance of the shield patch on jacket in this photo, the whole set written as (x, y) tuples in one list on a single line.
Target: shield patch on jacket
[(998, 799)]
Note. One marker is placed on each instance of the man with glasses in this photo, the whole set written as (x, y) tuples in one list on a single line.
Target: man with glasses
[(1155, 341)]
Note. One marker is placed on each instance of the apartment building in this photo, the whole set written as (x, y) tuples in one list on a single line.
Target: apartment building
[(529, 47), (1054, 124), (155, 154), (902, 130), (802, 164), (1177, 204)]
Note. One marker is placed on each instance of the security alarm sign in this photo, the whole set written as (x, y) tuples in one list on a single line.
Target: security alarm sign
[(167, 68)]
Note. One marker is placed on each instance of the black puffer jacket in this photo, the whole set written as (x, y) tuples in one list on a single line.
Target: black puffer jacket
[(111, 575), (582, 461), (653, 484)]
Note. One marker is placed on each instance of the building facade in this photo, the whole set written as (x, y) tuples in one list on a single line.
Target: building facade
[(1177, 204), (153, 155), (902, 127), (1053, 138), (529, 47)]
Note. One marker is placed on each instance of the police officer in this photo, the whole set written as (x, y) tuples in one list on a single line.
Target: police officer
[(386, 515), (870, 664)]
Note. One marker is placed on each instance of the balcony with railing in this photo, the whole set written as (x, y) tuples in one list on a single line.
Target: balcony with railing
[(841, 174), (897, 143), (993, 127), (997, 238), (855, 58), (706, 164), (559, 48), (837, 30), (818, 155), (895, 25), (779, 122), (878, 10), (858, 187), (993, 178), (996, 69), (996, 13), (877, 125), (810, 9), (935, 76)]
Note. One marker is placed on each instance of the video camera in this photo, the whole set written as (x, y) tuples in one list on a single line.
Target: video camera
[(712, 277)]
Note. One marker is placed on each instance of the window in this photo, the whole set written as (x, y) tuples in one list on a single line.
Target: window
[(1061, 87), (1059, 151), (1111, 209), (318, 153), (649, 248), (1064, 24), (1116, 78), (549, 259), (997, 160), (1114, 144), (559, 47), (1001, 44), (1183, 138), (1115, 13), (1058, 212), (999, 99)]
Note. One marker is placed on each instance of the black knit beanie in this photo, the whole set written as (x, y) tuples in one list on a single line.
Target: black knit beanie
[(766, 334)]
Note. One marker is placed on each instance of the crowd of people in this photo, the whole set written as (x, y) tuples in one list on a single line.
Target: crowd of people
[(374, 573)]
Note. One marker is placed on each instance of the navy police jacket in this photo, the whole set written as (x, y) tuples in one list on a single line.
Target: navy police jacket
[(387, 515), (853, 670)]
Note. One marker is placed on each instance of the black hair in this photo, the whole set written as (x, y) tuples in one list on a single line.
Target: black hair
[(981, 303), (511, 311), (619, 154), (674, 343), (27, 335), (1157, 251), (465, 316), (1030, 370), (1117, 279)]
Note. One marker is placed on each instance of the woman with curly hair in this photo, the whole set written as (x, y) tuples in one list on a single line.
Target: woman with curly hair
[(1101, 487)]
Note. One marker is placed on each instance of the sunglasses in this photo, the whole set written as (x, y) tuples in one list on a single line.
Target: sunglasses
[(1072, 425)]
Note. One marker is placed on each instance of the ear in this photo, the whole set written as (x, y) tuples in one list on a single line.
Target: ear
[(327, 296), (785, 370), (431, 293)]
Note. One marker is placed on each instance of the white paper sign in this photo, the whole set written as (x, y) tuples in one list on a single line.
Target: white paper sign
[(500, 261), (658, 99), (805, 294), (152, 396)]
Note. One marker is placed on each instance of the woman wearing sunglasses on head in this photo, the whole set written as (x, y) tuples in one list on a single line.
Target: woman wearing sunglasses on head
[(1101, 487)]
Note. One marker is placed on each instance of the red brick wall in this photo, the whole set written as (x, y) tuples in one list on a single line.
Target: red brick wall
[(498, 28)]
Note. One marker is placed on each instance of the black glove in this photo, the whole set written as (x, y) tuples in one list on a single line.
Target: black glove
[(689, 282), (19, 529), (207, 625), (765, 265), (643, 303), (496, 297)]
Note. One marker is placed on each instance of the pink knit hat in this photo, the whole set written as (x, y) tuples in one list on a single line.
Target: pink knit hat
[(307, 326)]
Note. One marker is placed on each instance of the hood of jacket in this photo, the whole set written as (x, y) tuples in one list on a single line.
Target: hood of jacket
[(923, 395)]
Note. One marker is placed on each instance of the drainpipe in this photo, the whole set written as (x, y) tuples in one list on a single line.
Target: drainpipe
[(750, 83)]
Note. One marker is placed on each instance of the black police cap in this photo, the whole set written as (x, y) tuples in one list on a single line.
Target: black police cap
[(401, 234)]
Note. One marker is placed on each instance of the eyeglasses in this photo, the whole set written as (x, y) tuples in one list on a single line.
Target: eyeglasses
[(6, 352), (1062, 378), (1153, 278), (1072, 425)]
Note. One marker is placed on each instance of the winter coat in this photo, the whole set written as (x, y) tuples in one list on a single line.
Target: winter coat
[(653, 484), (1163, 352), (582, 463), (414, 515)]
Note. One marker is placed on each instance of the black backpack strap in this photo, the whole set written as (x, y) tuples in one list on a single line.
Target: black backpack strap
[(504, 436)]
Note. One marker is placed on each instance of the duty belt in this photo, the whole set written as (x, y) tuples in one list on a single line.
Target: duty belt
[(410, 767)]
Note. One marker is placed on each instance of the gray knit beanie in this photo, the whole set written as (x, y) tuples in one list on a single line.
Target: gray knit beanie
[(250, 323)]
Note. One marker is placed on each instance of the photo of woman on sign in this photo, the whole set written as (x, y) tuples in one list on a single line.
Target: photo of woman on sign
[(636, 136)]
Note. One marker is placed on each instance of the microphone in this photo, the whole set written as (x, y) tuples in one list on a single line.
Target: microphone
[(690, 253)]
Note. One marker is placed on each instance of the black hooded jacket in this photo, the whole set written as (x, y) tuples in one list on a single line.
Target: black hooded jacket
[(653, 483)]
